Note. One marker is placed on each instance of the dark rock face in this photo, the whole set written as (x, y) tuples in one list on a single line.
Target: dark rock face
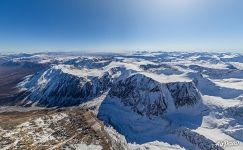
[(198, 140), (151, 98), (152, 66), (142, 93), (89, 62), (184, 93)]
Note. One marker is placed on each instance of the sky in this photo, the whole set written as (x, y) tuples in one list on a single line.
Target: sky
[(121, 25)]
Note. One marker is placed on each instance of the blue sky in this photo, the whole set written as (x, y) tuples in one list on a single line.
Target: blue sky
[(117, 25)]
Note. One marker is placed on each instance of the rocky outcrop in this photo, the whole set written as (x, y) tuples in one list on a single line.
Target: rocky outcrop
[(90, 63), (184, 94), (196, 139), (152, 98), (143, 94)]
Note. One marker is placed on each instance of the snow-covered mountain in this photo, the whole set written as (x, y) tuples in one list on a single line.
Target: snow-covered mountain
[(152, 98), (146, 100), (58, 87)]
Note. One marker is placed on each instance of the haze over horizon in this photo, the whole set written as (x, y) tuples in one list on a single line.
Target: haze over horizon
[(114, 26)]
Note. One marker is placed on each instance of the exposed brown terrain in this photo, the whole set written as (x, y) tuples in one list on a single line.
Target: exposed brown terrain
[(51, 129)]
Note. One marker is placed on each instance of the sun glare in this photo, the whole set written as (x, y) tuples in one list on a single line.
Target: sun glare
[(179, 5)]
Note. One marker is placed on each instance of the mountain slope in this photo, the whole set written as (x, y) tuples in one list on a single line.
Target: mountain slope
[(55, 87), (152, 98)]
